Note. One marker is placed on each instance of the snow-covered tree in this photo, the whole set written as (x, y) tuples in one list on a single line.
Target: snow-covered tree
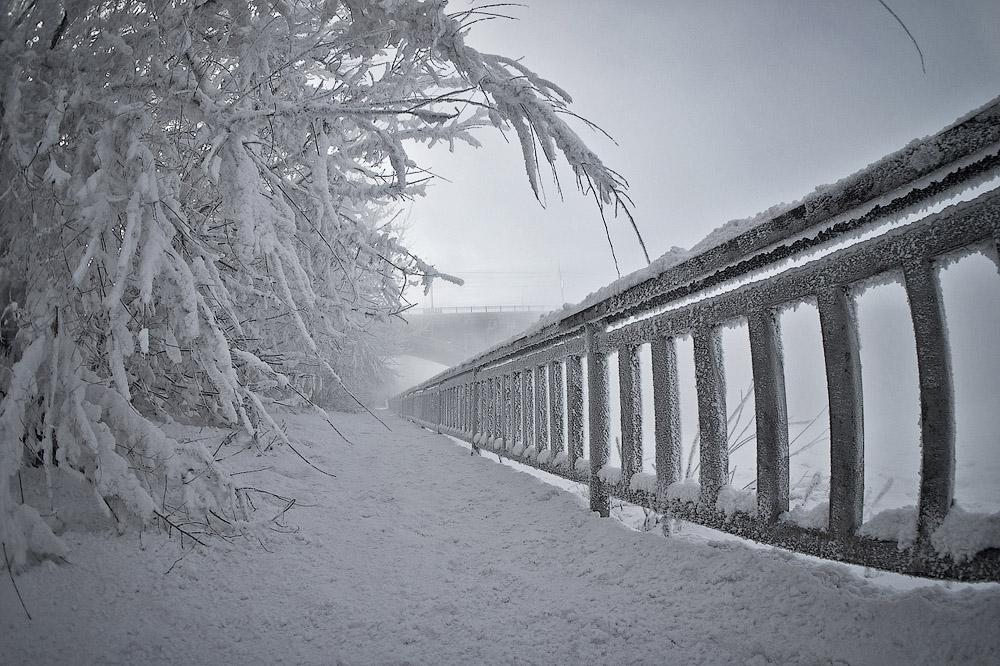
[(195, 216)]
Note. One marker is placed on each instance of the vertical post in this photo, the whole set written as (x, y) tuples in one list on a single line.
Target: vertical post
[(466, 408), (630, 400), (541, 410), (597, 388), (491, 410), (515, 414), (436, 406), (574, 409), (841, 351), (711, 384), (508, 387), (464, 393), (445, 407), (474, 399), (487, 392), (497, 409), (556, 405), (667, 414), (937, 398), (771, 414), (527, 407), (504, 433)]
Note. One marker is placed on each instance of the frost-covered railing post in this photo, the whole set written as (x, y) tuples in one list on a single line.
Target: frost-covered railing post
[(937, 405), (556, 409), (712, 414), (667, 415), (574, 411), (843, 378), (543, 397), (771, 414), (600, 432)]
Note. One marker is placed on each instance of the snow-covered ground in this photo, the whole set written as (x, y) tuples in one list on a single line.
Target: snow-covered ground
[(418, 553)]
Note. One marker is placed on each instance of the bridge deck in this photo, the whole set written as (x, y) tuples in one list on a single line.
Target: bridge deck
[(420, 553)]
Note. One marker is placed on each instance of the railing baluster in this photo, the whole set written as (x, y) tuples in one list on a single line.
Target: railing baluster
[(598, 411), (541, 410), (475, 407), (771, 411), (630, 399), (498, 409), (839, 326), (574, 409), (515, 413), (508, 387), (436, 410), (710, 381), (556, 408), (505, 408), (466, 409), (667, 413), (491, 396), (937, 397), (528, 407)]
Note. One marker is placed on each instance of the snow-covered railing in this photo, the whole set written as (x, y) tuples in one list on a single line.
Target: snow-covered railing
[(473, 309), (525, 399)]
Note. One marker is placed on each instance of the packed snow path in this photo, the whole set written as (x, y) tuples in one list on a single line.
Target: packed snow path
[(418, 553)]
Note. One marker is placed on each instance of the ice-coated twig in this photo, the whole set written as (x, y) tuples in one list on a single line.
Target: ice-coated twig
[(10, 572), (908, 33)]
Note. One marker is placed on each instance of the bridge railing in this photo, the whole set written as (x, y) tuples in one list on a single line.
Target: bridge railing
[(526, 399), (472, 309)]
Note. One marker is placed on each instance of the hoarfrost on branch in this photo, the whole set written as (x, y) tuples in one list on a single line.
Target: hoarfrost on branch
[(196, 216)]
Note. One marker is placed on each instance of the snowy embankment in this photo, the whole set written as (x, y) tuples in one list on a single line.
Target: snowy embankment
[(419, 553)]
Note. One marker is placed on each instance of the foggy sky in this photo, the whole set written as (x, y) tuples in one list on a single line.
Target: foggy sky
[(719, 109)]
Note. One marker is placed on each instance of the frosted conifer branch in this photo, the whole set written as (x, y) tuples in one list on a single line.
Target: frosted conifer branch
[(193, 221)]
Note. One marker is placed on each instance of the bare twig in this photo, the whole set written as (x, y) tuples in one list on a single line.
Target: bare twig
[(908, 34), (251, 471), (10, 571), (308, 462), (179, 529)]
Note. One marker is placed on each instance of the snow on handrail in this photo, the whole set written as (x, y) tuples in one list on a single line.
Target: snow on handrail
[(524, 399)]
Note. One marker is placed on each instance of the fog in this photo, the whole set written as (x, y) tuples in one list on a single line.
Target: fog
[(719, 111)]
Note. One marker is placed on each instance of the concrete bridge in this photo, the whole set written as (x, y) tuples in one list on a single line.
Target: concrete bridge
[(452, 335)]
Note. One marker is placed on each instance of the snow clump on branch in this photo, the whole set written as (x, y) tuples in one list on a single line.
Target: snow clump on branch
[(195, 219)]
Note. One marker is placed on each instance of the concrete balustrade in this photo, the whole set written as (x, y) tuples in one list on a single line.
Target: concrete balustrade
[(526, 400)]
